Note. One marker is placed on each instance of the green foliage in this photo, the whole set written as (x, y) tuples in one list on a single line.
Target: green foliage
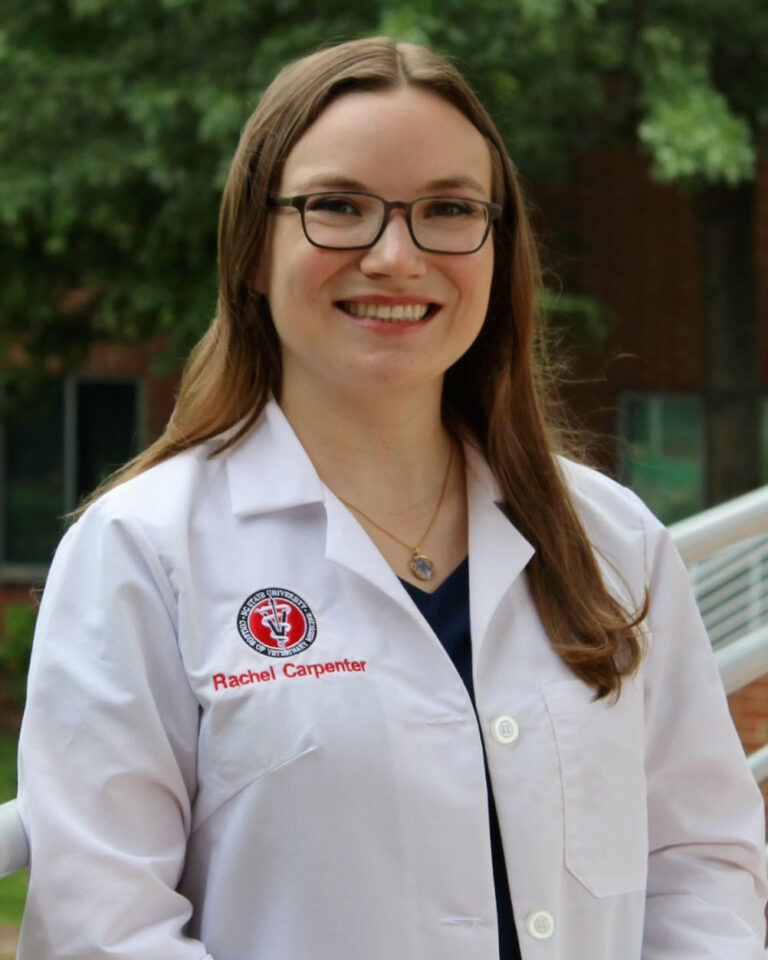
[(8, 750), (536, 64), (404, 23), (13, 894), (13, 889), (117, 123), (15, 650), (689, 128), (690, 77)]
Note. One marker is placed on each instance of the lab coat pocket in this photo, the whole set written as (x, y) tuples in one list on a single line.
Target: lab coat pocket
[(600, 748), (252, 734)]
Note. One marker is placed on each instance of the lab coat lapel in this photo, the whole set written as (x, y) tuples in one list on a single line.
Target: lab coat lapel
[(498, 552), (270, 470), (348, 545)]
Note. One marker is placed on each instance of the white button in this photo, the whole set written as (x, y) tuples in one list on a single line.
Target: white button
[(540, 924), (504, 729)]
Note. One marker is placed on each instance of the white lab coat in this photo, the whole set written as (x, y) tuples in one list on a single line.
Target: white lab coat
[(341, 814)]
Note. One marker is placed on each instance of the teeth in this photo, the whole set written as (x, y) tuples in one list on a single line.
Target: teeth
[(379, 311)]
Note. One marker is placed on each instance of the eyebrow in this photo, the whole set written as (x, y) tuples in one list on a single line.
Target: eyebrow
[(433, 186)]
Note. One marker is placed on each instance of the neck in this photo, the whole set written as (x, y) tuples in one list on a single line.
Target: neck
[(389, 459), (389, 450)]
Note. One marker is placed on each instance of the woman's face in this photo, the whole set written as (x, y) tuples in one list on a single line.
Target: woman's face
[(399, 144)]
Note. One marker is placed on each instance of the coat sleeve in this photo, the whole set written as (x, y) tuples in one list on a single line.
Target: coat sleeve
[(107, 755), (706, 869)]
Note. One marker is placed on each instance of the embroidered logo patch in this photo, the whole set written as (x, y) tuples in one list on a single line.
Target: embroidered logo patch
[(276, 622)]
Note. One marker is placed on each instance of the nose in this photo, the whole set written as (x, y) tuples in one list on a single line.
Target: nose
[(394, 253)]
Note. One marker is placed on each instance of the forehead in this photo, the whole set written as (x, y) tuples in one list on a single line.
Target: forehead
[(393, 142)]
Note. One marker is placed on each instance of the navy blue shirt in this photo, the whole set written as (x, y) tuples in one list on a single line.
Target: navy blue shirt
[(447, 612)]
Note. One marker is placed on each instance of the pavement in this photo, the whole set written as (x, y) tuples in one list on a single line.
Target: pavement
[(9, 937)]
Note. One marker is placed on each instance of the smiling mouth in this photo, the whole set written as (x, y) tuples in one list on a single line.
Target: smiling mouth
[(396, 313)]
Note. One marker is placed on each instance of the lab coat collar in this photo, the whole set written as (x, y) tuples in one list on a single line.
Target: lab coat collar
[(268, 469), (498, 552)]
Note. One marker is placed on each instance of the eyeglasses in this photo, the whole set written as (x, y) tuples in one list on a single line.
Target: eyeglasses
[(355, 221)]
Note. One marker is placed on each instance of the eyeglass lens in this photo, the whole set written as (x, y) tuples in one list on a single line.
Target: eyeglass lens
[(447, 224)]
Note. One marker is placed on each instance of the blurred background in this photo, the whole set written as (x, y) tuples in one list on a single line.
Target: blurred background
[(639, 127)]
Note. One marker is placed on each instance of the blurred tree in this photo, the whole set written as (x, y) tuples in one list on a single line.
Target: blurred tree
[(117, 125), (118, 120)]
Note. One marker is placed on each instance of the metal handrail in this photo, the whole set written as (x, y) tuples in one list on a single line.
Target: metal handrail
[(14, 847), (705, 533), (714, 569), (731, 588), (744, 660), (733, 618)]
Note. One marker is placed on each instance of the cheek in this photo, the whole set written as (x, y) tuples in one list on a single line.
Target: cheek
[(282, 267), (476, 277), (479, 293), (288, 277), (301, 289)]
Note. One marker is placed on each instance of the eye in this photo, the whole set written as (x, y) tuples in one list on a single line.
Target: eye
[(335, 203), (451, 208)]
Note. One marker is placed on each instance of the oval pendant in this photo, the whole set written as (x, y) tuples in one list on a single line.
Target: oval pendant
[(422, 567)]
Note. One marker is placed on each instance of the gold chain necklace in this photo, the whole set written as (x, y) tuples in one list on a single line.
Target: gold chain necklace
[(421, 565)]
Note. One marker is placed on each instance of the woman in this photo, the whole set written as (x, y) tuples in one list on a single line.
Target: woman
[(244, 737)]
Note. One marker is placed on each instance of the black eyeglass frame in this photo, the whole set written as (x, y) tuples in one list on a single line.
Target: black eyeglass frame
[(299, 202)]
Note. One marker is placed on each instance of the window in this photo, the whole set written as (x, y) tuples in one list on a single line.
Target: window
[(53, 451), (663, 451), (107, 433)]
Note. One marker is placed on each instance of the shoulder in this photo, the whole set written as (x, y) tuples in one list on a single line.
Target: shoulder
[(154, 511), (617, 523), (595, 493), (601, 499), (163, 494)]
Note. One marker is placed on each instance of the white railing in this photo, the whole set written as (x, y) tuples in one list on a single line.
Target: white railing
[(14, 849), (731, 588), (705, 533), (725, 539), (744, 660)]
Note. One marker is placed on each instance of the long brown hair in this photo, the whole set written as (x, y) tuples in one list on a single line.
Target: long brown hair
[(495, 392)]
